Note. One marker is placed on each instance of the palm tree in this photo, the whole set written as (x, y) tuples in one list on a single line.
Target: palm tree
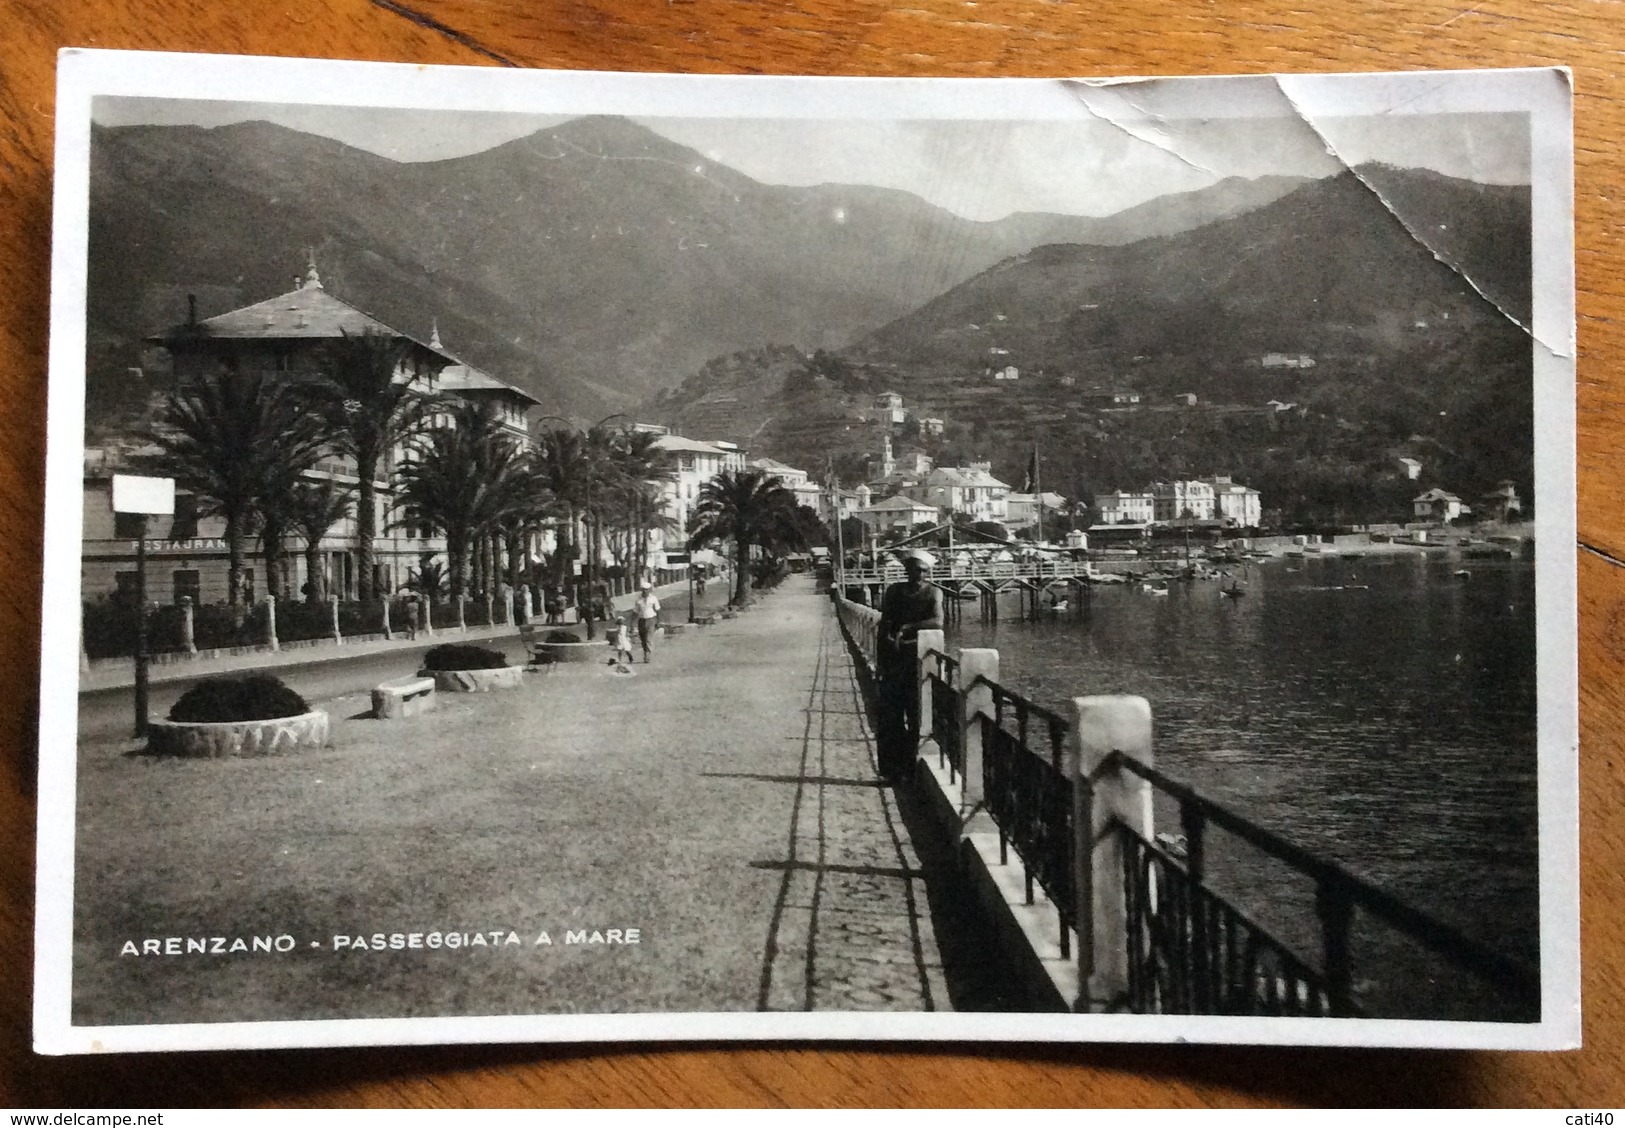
[(315, 508), (563, 463), (517, 508), (370, 406), (232, 438), (748, 506), (428, 579), (642, 468), (458, 481)]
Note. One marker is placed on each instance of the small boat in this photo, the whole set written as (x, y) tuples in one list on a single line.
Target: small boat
[(1156, 590), (1231, 592), (1462, 574), (1057, 608)]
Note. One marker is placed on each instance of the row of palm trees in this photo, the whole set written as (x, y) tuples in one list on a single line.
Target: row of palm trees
[(243, 443)]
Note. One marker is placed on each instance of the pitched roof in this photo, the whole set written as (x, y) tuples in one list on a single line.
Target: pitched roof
[(691, 446), (964, 476), (897, 504), (308, 313), (773, 465), (467, 378)]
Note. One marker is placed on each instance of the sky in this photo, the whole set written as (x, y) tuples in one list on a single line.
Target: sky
[(978, 169)]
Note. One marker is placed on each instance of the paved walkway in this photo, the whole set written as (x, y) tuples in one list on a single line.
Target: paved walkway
[(850, 928), (723, 801)]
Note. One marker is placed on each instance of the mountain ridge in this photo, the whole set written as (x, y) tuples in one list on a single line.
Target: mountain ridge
[(589, 290)]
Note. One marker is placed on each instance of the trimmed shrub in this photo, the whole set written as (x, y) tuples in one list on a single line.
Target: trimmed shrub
[(218, 625), (257, 697), (561, 636), (299, 622), (455, 656)]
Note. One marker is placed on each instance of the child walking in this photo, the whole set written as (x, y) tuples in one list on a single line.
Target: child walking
[(620, 637)]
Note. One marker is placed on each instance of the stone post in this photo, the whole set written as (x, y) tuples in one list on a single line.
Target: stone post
[(270, 622), (388, 635), (924, 643), (427, 605), (490, 610), (188, 626), (1101, 726), (977, 702), (530, 603), (333, 605)]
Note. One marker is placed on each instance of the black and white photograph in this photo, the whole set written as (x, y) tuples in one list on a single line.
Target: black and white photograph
[(587, 556)]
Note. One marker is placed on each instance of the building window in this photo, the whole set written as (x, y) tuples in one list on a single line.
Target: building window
[(124, 587), (184, 525), (188, 583), (129, 526)]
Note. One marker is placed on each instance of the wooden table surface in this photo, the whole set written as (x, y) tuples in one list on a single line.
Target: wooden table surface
[(856, 37)]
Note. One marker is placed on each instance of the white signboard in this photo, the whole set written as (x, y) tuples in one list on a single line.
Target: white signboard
[(133, 493)]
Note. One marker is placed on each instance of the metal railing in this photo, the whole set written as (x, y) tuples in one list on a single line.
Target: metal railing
[(1030, 798), (1192, 952), (1075, 820), (941, 675), (1196, 953)]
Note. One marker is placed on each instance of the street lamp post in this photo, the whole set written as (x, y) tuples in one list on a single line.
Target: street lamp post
[(141, 498)]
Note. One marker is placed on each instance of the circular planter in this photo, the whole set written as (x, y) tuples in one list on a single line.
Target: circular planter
[(475, 681), (584, 651), (214, 740)]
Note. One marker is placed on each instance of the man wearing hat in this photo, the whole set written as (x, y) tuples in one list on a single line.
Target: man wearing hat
[(906, 609), (647, 608)]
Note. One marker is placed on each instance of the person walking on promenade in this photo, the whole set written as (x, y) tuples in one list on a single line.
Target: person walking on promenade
[(412, 617), (906, 609), (647, 608), (620, 640)]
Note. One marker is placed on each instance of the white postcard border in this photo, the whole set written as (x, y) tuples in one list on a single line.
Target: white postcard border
[(1543, 93)]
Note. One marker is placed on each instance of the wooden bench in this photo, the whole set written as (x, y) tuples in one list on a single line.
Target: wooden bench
[(403, 697)]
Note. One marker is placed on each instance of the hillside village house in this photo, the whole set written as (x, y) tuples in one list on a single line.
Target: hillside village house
[(284, 335), (1219, 498), (808, 493), (971, 490), (1411, 468), (888, 408), (897, 515), (1439, 505), (1023, 509), (1500, 503), (1122, 507), (1236, 504), (1182, 500)]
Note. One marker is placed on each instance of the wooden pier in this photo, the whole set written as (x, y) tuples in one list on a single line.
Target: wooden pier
[(1053, 582)]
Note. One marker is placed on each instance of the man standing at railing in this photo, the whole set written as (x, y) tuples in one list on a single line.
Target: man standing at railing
[(906, 609)]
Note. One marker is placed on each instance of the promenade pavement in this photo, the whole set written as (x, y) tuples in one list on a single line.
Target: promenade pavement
[(723, 800)]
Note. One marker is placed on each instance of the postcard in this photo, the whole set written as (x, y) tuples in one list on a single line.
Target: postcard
[(598, 557)]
